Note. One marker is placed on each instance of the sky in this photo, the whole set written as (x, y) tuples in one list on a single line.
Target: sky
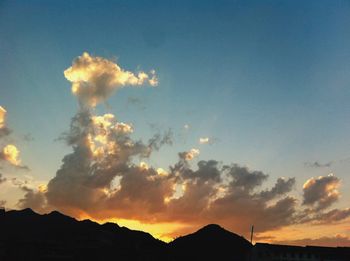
[(165, 116)]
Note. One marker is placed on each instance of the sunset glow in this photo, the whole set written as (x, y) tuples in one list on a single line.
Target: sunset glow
[(166, 117)]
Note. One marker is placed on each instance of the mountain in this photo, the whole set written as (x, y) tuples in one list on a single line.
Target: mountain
[(211, 242), (26, 235)]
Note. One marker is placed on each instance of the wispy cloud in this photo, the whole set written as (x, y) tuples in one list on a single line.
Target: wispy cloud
[(330, 241), (317, 164)]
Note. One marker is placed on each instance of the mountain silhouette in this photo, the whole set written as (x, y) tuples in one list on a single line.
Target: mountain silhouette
[(26, 235), (211, 242)]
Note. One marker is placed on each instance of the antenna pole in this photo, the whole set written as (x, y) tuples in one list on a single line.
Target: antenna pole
[(251, 234)]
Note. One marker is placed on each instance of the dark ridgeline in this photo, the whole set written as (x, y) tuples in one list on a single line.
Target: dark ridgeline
[(211, 242), (26, 235)]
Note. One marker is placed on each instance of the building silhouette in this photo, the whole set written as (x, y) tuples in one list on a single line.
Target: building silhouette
[(272, 252)]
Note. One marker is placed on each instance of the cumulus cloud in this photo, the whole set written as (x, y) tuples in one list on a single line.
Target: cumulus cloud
[(10, 153), (244, 179), (101, 171), (102, 178), (94, 79), (321, 192)]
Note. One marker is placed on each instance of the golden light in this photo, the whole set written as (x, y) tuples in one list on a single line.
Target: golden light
[(164, 231), (2, 117), (162, 172), (192, 154), (143, 165), (124, 127), (42, 188), (11, 154)]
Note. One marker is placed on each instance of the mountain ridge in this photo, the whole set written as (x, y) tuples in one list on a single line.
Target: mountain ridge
[(27, 235)]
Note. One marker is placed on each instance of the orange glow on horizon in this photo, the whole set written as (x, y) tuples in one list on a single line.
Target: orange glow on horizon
[(166, 231)]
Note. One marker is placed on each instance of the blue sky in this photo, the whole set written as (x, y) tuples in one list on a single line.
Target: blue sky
[(267, 80)]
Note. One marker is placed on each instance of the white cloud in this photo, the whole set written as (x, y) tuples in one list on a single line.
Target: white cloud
[(204, 140), (94, 79)]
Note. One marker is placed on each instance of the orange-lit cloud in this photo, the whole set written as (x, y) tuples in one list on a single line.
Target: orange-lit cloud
[(304, 234), (2, 117), (4, 130), (10, 153), (102, 178), (321, 192), (189, 155)]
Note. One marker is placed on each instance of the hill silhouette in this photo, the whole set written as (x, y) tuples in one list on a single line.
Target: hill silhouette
[(26, 235), (211, 242)]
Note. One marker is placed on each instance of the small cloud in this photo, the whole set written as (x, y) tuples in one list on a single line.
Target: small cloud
[(4, 131), (137, 102), (28, 137), (10, 153), (317, 164), (2, 116), (204, 140), (189, 155)]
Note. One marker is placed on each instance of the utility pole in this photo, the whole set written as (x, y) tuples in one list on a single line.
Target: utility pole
[(251, 235), (251, 242)]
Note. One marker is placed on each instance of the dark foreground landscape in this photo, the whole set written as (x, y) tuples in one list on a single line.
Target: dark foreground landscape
[(26, 235)]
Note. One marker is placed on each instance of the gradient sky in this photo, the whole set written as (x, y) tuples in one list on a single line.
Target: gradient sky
[(267, 81)]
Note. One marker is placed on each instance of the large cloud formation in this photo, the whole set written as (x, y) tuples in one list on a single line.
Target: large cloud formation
[(103, 177)]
